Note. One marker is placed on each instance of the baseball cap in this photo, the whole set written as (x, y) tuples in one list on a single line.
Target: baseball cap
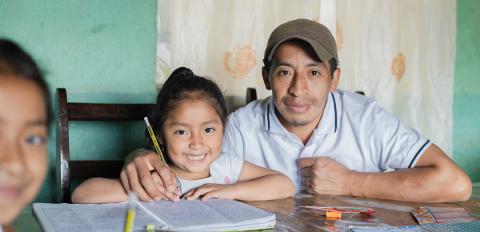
[(312, 32)]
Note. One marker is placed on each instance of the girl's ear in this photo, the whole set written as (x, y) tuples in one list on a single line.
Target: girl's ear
[(160, 140), (163, 148), (161, 143)]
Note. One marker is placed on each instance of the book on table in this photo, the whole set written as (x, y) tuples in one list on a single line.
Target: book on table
[(211, 215)]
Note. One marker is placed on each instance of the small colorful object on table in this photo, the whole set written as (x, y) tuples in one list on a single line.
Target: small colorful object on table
[(345, 210), (333, 215), (427, 215)]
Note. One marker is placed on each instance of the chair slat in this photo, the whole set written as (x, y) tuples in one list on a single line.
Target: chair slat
[(95, 168), (107, 112)]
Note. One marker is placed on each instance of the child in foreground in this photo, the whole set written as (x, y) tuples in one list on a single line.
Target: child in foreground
[(24, 117), (189, 119)]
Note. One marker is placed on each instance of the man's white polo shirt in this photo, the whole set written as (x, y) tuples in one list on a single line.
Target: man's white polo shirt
[(354, 130)]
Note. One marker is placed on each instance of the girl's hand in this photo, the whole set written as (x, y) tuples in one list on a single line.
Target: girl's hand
[(205, 192), (145, 174)]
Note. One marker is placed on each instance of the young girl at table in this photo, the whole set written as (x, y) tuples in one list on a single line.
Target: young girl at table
[(189, 118), (24, 117)]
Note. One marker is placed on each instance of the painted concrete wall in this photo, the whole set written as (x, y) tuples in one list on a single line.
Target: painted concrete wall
[(466, 109), (99, 50)]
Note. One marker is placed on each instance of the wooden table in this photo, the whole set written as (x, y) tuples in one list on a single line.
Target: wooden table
[(292, 217)]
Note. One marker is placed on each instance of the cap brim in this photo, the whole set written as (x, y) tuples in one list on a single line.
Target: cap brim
[(319, 49)]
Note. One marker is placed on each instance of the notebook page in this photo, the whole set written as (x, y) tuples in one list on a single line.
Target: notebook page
[(211, 214), (87, 217)]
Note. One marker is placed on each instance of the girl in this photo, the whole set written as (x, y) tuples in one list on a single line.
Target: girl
[(24, 117), (189, 119)]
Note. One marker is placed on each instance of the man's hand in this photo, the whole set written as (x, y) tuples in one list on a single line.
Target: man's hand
[(435, 178), (146, 175), (205, 192), (323, 175)]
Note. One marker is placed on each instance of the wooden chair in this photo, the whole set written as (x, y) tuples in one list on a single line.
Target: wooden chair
[(360, 92), (72, 169), (251, 95)]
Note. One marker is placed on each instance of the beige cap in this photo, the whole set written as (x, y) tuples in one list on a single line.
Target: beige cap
[(312, 32)]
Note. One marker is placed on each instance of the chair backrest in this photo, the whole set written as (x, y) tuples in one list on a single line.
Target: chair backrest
[(68, 111), (251, 95)]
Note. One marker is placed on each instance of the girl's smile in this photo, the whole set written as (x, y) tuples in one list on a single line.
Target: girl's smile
[(196, 157), (9, 192)]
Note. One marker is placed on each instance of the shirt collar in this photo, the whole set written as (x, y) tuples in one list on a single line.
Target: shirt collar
[(272, 123), (328, 124)]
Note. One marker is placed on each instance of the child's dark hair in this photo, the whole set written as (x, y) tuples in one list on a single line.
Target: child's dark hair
[(181, 85), (16, 62)]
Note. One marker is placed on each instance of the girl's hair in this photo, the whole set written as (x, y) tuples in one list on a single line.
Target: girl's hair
[(183, 85), (14, 61)]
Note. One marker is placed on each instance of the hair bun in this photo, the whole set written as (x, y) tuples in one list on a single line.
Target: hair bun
[(182, 72), (178, 75)]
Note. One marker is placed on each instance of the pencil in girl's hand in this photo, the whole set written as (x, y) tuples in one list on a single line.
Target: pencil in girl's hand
[(154, 140), (157, 148)]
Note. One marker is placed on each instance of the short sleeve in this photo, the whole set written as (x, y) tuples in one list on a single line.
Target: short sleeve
[(226, 168), (232, 138), (400, 146)]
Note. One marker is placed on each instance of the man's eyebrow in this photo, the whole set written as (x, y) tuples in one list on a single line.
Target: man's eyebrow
[(282, 64), (315, 64), (312, 64)]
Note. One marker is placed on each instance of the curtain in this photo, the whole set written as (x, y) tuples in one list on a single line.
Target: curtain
[(399, 52)]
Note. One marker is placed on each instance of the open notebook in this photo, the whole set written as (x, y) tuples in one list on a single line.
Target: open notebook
[(211, 215)]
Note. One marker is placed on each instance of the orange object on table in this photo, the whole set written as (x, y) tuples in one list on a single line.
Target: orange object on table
[(333, 215)]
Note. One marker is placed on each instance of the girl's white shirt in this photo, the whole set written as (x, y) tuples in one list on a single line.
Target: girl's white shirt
[(224, 170)]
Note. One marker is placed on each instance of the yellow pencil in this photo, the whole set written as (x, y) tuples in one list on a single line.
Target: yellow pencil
[(157, 148), (154, 140), (132, 210)]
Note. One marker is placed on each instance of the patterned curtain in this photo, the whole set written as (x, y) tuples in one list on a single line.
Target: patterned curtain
[(399, 52)]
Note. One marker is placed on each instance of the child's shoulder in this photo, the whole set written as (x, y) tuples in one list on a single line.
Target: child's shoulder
[(226, 168), (226, 158)]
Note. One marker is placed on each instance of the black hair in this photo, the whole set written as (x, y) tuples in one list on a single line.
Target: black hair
[(181, 85), (14, 60), (333, 63)]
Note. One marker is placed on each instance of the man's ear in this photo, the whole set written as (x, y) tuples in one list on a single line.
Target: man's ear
[(335, 79), (266, 79)]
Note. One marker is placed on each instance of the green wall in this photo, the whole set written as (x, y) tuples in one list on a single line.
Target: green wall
[(99, 50), (466, 106)]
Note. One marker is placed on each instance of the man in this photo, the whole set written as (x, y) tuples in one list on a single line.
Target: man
[(327, 141)]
